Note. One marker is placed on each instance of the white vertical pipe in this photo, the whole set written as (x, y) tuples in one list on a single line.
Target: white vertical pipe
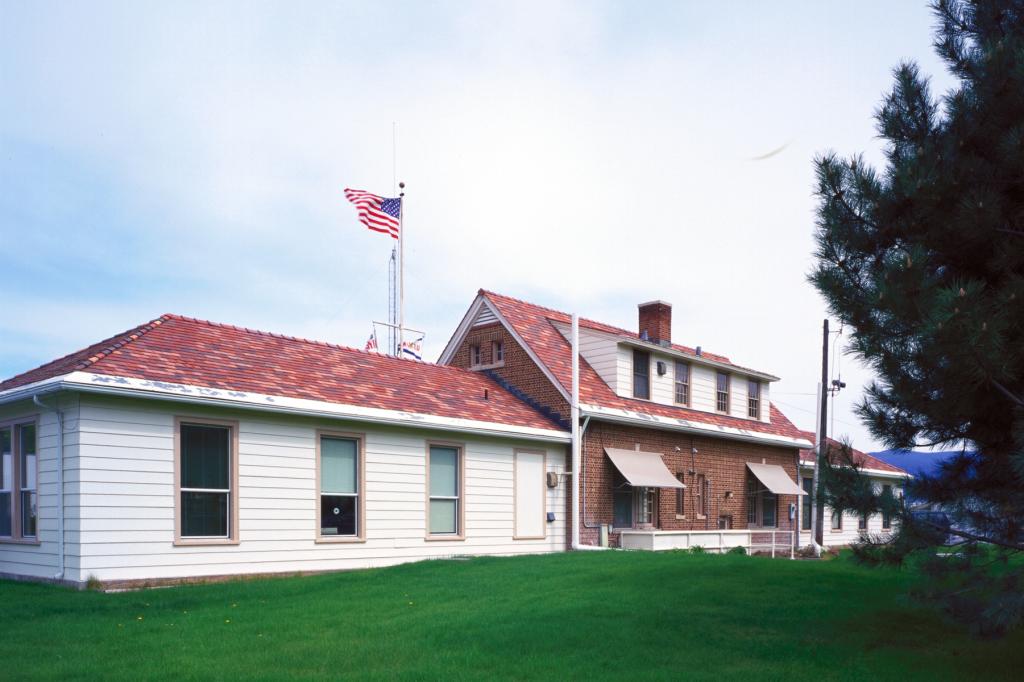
[(574, 416)]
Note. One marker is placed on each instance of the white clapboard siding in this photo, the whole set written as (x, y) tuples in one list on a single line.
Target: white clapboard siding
[(601, 353), (122, 524), (850, 532), (42, 560)]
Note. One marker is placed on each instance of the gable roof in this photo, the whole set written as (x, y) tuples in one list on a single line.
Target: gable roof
[(193, 352), (535, 325), (861, 459)]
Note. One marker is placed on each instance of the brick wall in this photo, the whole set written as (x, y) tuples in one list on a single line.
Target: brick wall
[(722, 462), (518, 369)]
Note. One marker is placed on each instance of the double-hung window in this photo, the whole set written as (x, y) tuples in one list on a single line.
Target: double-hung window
[(444, 501), (474, 355), (837, 520), (722, 392), (681, 495), (18, 492), (754, 399), (701, 495), (497, 352), (207, 477), (682, 383), (340, 495), (641, 374), (862, 522)]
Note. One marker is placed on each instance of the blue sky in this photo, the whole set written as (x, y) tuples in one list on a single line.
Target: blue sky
[(189, 157)]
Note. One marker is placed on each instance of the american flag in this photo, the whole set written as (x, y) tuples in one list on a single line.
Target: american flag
[(377, 213), (371, 345)]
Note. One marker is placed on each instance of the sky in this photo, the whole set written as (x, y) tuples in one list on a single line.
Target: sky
[(190, 158)]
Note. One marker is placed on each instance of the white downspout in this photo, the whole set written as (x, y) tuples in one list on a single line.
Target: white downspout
[(574, 416), (60, 482)]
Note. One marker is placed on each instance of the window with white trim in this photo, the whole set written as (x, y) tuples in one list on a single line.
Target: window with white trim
[(474, 355), (339, 504), (206, 470), (497, 352), (445, 501), (641, 374), (837, 520)]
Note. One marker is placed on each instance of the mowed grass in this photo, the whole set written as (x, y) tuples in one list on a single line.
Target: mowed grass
[(576, 616)]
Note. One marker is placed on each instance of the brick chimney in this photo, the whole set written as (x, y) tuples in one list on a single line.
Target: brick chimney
[(656, 322)]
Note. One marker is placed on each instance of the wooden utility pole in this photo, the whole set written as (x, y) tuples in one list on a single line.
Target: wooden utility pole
[(818, 509)]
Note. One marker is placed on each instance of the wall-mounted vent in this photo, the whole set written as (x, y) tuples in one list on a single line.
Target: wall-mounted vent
[(662, 368)]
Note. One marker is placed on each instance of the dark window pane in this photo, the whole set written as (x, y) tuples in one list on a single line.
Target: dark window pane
[(5, 514), (623, 508), (204, 456), (28, 514), (641, 374), (769, 503), (338, 515), (204, 514), (805, 522), (27, 448)]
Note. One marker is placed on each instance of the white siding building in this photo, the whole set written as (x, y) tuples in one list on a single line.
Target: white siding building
[(165, 481)]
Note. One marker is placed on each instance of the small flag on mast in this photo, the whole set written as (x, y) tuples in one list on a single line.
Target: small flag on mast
[(371, 344), (413, 349), (380, 214)]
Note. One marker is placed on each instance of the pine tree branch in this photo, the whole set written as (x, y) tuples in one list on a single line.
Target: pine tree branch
[(1005, 391), (974, 536)]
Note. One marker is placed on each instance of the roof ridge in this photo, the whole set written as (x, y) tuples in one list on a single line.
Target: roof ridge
[(313, 342)]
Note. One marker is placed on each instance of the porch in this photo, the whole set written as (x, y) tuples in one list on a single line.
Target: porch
[(770, 541)]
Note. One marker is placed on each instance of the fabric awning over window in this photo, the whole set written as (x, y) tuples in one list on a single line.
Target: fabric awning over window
[(643, 469), (775, 479)]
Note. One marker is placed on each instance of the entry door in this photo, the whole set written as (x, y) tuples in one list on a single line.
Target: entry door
[(529, 495)]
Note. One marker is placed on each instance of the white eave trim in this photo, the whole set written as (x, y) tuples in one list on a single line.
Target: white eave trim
[(87, 382), (466, 325), (809, 465), (633, 418)]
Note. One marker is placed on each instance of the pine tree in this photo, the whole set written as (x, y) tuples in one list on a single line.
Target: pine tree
[(925, 261)]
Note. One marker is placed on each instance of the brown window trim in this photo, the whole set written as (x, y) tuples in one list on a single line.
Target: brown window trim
[(16, 538), (728, 392), (675, 383), (360, 535), (543, 497), (461, 520), (233, 538)]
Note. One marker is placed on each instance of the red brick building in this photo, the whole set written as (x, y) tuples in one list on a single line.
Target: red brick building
[(680, 447)]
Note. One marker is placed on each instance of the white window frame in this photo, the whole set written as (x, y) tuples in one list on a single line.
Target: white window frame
[(685, 385), (18, 535)]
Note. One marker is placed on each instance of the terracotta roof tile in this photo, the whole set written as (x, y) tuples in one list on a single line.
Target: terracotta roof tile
[(534, 324), (183, 350), (861, 459)]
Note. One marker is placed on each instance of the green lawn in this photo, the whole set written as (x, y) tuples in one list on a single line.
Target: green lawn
[(579, 615)]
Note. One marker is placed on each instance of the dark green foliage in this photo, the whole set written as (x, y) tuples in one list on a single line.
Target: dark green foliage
[(925, 261), (737, 550)]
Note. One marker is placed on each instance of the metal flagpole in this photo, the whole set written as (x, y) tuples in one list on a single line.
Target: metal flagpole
[(401, 267)]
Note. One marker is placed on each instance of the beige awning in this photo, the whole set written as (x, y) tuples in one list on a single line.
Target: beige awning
[(775, 479), (643, 469)]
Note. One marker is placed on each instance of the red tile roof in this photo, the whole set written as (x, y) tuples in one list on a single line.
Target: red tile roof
[(534, 324), (182, 350), (861, 459)]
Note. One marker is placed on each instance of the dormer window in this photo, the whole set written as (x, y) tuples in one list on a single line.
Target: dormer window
[(497, 352), (474, 355), (682, 383), (754, 399), (722, 393), (641, 374)]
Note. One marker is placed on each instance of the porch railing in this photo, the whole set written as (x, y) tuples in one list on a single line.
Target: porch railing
[(775, 542)]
